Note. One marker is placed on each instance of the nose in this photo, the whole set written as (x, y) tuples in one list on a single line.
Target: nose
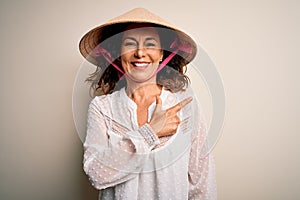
[(139, 52)]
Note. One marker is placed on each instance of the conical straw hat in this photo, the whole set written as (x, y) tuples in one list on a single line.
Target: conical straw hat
[(138, 15)]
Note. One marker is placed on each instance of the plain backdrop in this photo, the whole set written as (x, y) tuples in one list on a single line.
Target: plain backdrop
[(255, 45)]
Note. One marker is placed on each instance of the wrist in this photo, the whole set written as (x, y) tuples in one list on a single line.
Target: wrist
[(149, 135)]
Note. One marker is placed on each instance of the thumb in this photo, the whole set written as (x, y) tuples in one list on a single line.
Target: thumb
[(158, 100), (158, 103)]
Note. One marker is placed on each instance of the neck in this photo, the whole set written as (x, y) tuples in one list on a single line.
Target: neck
[(143, 92)]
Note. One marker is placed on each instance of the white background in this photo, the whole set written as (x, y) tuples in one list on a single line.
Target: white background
[(255, 45)]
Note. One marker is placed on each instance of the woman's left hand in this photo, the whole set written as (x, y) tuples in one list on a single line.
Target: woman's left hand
[(165, 122)]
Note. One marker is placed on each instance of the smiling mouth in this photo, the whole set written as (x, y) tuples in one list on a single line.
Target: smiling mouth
[(140, 65)]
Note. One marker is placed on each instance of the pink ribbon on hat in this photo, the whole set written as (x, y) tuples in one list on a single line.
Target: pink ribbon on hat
[(101, 51), (187, 48)]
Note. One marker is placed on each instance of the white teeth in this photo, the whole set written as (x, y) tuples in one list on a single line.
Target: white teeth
[(141, 64)]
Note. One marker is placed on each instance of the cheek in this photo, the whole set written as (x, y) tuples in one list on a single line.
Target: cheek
[(158, 57), (126, 54), (125, 62), (155, 55), (125, 58)]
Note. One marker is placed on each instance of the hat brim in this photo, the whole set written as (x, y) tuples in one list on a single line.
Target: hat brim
[(139, 15)]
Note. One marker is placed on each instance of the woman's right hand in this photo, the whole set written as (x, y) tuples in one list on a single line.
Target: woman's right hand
[(165, 122)]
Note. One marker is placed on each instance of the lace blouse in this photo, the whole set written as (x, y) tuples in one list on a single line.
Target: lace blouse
[(125, 161)]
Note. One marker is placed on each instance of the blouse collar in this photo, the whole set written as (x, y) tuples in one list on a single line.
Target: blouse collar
[(127, 100)]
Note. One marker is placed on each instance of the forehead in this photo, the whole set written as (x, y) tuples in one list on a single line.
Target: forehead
[(141, 32)]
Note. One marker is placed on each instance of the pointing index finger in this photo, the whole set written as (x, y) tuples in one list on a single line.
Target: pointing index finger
[(186, 101), (181, 104)]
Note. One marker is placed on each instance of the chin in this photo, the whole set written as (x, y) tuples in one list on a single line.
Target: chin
[(141, 78)]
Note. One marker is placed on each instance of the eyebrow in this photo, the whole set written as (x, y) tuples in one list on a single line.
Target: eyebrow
[(147, 39), (151, 38)]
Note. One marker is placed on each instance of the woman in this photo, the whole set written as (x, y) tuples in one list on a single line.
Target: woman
[(145, 133)]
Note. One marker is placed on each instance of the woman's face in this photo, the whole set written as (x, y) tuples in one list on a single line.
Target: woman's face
[(141, 53)]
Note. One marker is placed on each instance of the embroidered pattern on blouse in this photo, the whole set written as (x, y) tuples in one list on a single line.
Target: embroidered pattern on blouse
[(117, 128), (162, 184)]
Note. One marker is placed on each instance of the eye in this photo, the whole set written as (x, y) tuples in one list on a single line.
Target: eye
[(150, 44), (128, 44)]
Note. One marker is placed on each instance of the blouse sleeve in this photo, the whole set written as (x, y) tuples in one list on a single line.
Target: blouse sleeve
[(202, 184), (110, 159)]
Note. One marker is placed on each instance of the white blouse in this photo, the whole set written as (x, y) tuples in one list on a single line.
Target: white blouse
[(126, 161)]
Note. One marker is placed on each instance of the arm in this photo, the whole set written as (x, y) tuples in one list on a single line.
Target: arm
[(202, 184), (110, 159)]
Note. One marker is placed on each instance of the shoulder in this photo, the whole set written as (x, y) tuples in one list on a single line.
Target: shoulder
[(103, 102)]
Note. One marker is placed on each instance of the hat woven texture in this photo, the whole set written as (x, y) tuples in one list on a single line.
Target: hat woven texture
[(138, 15)]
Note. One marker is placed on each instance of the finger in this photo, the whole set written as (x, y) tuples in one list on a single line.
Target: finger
[(173, 127), (177, 119), (158, 100), (174, 121), (186, 101), (180, 105), (158, 103)]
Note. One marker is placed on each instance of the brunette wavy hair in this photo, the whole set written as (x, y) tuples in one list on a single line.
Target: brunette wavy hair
[(106, 78)]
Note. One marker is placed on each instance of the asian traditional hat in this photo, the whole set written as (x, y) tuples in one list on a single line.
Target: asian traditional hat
[(138, 15)]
